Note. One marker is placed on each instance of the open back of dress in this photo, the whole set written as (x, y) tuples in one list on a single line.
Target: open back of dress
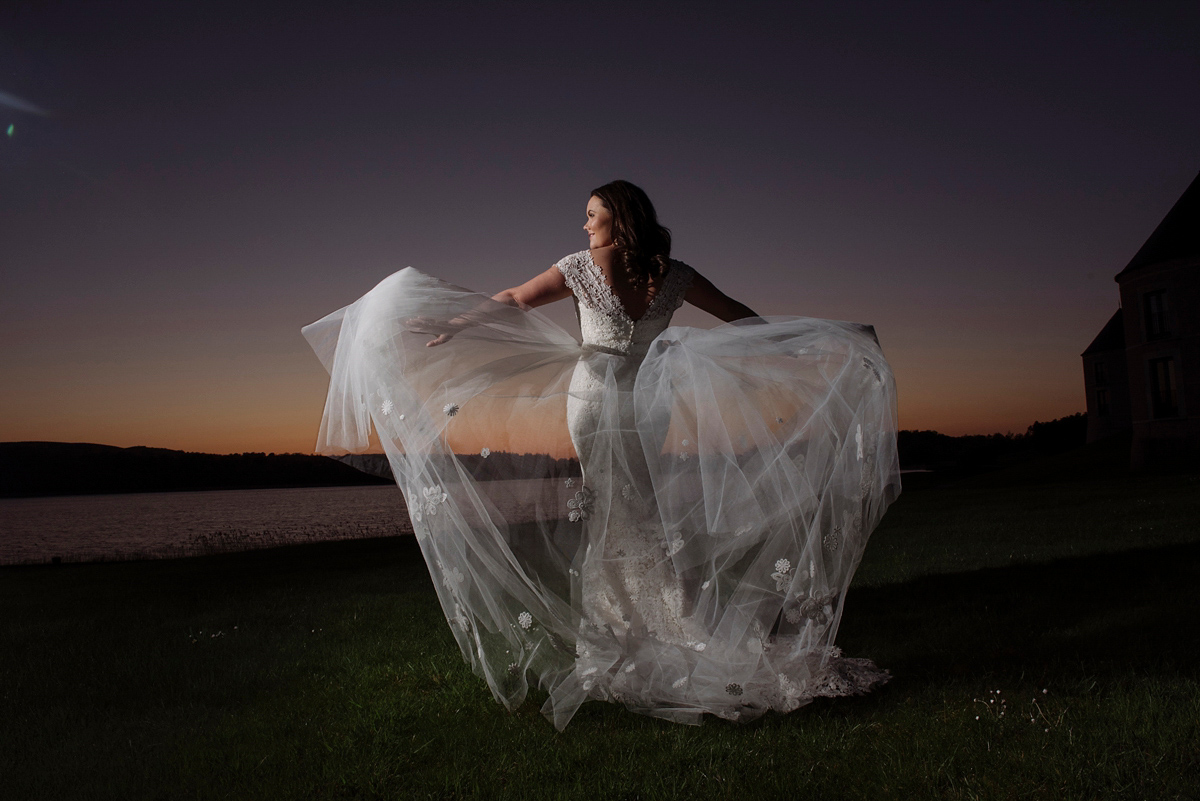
[(665, 517)]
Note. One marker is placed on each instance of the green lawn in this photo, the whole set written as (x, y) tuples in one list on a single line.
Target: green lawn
[(1065, 597)]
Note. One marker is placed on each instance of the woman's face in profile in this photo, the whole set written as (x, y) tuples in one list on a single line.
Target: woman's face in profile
[(598, 225)]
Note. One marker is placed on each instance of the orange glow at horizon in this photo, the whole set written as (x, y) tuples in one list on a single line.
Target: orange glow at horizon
[(217, 413), (168, 392)]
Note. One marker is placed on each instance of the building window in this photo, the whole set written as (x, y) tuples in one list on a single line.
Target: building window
[(1155, 308), (1098, 374), (1164, 395), (1102, 402)]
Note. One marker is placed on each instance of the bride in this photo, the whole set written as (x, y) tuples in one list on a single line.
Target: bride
[(664, 517)]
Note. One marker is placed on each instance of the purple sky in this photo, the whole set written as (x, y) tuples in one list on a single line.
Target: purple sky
[(967, 177)]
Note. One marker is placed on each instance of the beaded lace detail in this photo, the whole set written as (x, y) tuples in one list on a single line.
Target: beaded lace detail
[(603, 320)]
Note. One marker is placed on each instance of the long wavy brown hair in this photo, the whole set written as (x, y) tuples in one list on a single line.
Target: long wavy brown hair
[(642, 245)]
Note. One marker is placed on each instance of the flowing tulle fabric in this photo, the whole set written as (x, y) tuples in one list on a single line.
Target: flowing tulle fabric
[(674, 529)]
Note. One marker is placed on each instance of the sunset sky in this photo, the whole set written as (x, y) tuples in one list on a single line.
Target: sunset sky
[(184, 186)]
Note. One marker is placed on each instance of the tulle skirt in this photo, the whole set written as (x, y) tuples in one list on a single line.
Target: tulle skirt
[(672, 528)]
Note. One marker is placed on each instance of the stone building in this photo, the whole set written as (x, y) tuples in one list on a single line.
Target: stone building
[(1142, 371), (1107, 381)]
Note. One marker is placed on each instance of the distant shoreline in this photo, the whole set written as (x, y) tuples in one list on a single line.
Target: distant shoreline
[(45, 469), (48, 469)]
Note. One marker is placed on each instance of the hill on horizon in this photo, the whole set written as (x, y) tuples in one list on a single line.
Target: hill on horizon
[(33, 469)]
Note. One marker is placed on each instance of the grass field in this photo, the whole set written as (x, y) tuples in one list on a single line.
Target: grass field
[(1041, 624)]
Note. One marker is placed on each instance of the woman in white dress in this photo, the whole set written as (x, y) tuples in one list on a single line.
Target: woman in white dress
[(665, 517)]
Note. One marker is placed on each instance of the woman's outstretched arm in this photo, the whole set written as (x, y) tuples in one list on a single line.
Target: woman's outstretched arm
[(544, 288), (703, 295)]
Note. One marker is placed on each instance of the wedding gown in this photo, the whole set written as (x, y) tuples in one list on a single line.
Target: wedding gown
[(664, 517)]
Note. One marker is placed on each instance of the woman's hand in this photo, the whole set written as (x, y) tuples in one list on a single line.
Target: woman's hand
[(545, 288), (428, 325)]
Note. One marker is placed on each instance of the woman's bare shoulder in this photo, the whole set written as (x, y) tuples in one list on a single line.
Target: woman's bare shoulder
[(603, 258)]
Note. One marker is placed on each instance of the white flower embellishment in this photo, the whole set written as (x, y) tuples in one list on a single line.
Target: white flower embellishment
[(791, 690), (486, 452), (460, 618), (833, 539), (450, 409), (570, 482), (674, 544), (451, 577), (782, 574), (627, 492), (818, 608), (433, 497), (684, 456), (525, 621), (387, 407), (581, 505)]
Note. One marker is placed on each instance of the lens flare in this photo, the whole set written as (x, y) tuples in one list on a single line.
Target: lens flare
[(14, 102)]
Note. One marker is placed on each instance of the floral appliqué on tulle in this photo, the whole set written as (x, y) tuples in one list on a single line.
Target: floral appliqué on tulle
[(427, 506), (782, 575), (581, 505)]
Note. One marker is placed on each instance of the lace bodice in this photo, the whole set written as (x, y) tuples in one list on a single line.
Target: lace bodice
[(603, 321)]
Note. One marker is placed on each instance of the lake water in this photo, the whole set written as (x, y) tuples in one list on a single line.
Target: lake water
[(167, 524), (155, 525)]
